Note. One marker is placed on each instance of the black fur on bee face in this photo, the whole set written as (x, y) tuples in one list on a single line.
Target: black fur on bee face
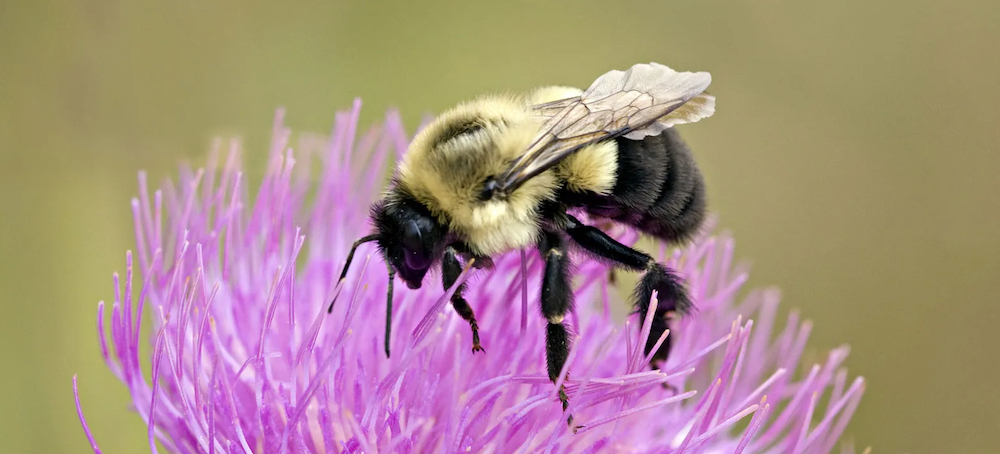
[(410, 239)]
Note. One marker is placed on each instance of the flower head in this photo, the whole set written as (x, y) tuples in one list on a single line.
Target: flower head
[(245, 357)]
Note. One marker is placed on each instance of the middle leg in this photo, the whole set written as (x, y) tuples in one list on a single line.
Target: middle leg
[(557, 300)]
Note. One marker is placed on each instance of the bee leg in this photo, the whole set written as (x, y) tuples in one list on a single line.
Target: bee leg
[(612, 272), (557, 299), (672, 298), (450, 270), (482, 262)]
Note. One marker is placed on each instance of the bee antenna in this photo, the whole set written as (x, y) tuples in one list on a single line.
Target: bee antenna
[(347, 265)]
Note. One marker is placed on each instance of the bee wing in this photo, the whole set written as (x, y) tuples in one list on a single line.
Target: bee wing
[(642, 101)]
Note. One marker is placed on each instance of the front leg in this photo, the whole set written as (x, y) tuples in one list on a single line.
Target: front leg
[(481, 261), (557, 300), (450, 270)]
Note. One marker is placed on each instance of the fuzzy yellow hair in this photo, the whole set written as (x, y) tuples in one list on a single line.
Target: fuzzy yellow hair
[(445, 172), (450, 159), (593, 168)]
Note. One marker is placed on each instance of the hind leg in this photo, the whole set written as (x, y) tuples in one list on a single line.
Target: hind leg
[(672, 298)]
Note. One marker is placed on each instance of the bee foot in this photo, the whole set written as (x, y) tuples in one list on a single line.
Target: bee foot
[(564, 398), (565, 404), (476, 346)]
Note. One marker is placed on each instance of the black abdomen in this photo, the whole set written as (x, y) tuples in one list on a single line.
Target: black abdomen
[(659, 189)]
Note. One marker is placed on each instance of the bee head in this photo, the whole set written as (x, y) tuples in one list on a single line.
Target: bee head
[(410, 238)]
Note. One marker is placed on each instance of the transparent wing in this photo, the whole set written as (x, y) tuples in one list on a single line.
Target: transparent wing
[(642, 101)]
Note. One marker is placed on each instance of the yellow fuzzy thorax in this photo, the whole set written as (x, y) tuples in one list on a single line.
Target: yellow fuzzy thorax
[(592, 168), (444, 170)]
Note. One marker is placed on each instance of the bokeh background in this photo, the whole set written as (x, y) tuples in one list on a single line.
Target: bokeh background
[(853, 154)]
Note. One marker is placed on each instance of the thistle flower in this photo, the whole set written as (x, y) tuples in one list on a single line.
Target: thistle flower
[(246, 359)]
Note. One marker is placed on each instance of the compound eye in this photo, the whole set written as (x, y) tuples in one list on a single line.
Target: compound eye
[(414, 253)]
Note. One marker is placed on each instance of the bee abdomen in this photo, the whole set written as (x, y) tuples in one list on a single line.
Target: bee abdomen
[(642, 168), (680, 208), (659, 189)]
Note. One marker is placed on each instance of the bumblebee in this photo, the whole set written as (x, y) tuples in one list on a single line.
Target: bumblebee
[(501, 173)]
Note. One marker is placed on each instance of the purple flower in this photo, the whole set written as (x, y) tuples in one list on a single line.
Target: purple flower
[(246, 359)]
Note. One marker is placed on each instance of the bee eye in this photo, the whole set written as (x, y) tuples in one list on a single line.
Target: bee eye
[(411, 236), (415, 254)]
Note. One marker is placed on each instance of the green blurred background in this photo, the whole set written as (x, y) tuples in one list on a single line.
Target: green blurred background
[(853, 155)]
